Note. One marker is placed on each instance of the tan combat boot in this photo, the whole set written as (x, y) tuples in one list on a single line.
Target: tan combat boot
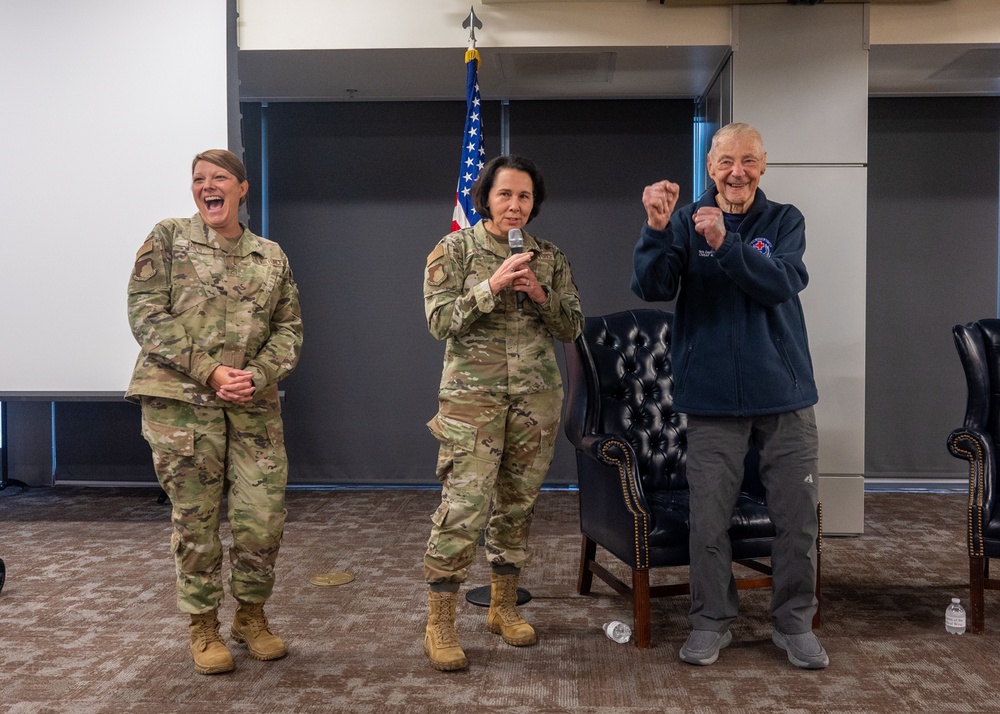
[(207, 648), (250, 628), (503, 618), (440, 638)]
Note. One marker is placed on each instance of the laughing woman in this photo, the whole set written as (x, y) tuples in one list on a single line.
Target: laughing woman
[(216, 313)]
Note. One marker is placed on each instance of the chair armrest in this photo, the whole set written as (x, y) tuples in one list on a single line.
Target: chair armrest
[(977, 448), (613, 508), (615, 453)]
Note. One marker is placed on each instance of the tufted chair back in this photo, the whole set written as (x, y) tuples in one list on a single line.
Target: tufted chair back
[(978, 347), (625, 362), (629, 353)]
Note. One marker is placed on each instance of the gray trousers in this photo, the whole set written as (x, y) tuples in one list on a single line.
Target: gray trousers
[(788, 446)]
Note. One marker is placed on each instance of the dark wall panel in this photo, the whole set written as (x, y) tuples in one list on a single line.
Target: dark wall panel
[(101, 441), (933, 197), (596, 158), (360, 194)]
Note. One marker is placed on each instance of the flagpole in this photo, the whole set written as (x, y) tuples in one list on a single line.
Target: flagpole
[(465, 214)]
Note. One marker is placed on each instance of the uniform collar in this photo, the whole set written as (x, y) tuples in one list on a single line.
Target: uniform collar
[(489, 242), (246, 244)]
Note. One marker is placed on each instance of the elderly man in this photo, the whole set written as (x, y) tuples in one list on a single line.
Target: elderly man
[(744, 377)]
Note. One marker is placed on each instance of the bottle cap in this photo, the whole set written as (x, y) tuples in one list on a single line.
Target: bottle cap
[(955, 599)]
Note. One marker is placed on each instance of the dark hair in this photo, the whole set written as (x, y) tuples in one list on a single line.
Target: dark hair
[(484, 184), (224, 160)]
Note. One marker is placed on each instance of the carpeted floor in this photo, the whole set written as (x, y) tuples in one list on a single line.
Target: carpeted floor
[(88, 621)]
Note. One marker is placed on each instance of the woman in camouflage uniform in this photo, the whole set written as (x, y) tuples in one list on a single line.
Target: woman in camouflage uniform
[(500, 397), (216, 313)]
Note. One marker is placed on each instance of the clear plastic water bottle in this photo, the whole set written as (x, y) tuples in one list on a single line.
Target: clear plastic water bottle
[(618, 631), (954, 617)]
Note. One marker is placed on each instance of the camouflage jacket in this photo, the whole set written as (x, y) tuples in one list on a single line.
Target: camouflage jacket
[(491, 346), (193, 307)]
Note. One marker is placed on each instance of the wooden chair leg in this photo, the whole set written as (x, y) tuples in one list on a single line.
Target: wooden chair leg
[(642, 630), (588, 553), (817, 618), (977, 610)]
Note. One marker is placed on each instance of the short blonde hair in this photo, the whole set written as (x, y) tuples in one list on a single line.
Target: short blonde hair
[(736, 129), (225, 160)]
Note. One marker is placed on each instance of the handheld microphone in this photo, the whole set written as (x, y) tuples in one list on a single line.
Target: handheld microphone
[(516, 242)]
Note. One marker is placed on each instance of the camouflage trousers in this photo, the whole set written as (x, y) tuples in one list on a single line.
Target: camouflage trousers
[(202, 454), (495, 452)]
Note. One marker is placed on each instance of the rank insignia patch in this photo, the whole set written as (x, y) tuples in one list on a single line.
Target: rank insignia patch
[(436, 274)]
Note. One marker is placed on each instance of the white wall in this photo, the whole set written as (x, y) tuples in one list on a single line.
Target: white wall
[(105, 103), (954, 21), (351, 24), (835, 299), (355, 24)]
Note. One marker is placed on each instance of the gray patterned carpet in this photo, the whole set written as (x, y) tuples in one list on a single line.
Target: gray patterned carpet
[(87, 620)]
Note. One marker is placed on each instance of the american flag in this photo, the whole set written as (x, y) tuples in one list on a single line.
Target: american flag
[(472, 151)]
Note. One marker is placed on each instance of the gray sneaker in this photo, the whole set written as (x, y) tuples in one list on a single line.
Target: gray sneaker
[(702, 646), (803, 650)]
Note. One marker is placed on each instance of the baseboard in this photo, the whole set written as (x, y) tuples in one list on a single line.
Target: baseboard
[(918, 485), (106, 484)]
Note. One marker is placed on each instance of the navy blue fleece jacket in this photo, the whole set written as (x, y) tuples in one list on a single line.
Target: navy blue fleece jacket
[(739, 344)]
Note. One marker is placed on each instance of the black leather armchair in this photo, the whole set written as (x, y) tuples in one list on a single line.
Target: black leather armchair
[(976, 442), (630, 450)]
